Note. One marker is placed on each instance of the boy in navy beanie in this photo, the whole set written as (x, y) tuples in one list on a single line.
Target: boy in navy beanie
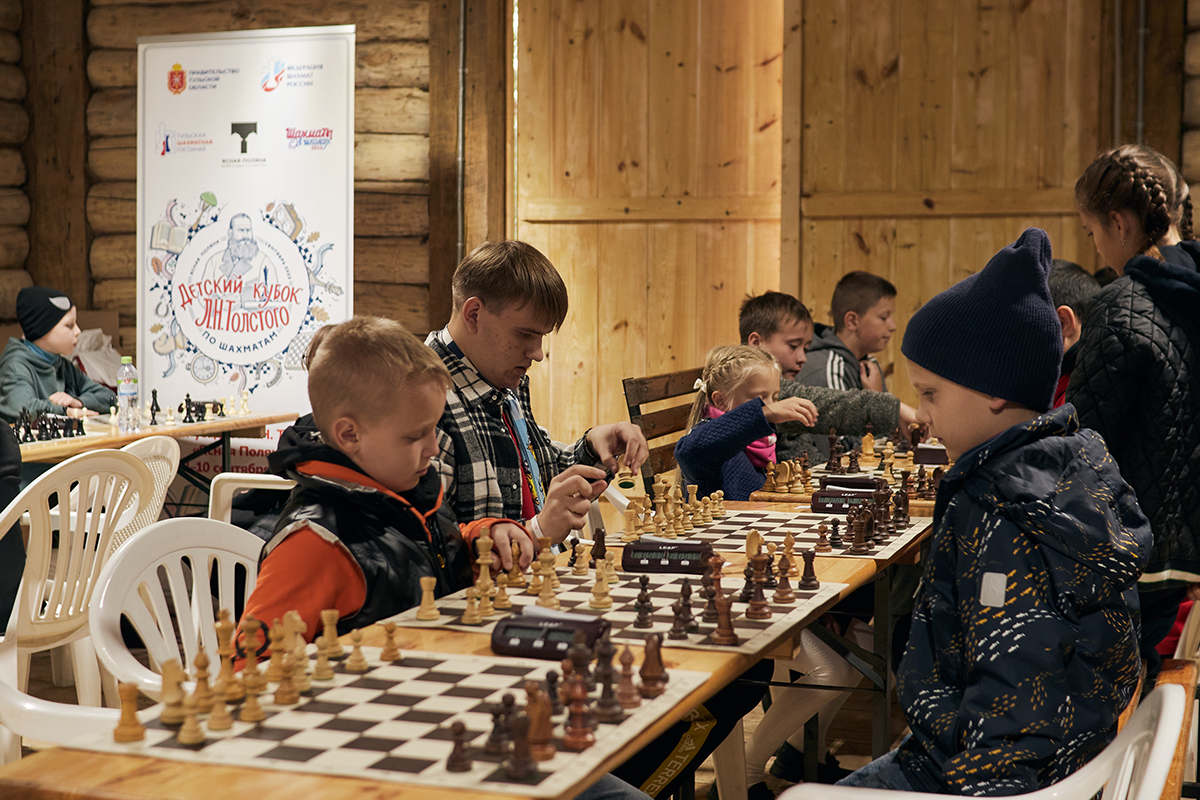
[(1023, 648)]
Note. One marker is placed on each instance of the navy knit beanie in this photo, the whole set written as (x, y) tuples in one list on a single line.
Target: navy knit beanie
[(996, 331), (39, 309)]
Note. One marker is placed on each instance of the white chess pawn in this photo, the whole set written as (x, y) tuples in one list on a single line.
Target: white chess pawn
[(245, 410)]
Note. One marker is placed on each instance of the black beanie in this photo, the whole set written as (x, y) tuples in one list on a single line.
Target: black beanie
[(996, 331), (39, 309)]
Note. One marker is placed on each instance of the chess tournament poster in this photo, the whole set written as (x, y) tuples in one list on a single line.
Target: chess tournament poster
[(245, 214)]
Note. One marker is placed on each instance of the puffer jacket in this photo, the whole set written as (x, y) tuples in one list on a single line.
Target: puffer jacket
[(1023, 647), (1137, 383), (848, 411)]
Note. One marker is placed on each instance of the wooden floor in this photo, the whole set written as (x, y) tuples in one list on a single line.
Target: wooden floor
[(848, 737)]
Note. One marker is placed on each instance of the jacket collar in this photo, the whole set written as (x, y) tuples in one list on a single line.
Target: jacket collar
[(1059, 421), (469, 385)]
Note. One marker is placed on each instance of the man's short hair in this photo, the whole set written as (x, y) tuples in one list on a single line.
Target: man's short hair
[(361, 368), (1072, 286), (857, 291), (511, 273), (768, 312)]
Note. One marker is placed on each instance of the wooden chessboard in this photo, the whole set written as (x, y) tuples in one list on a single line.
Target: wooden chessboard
[(392, 723), (575, 593)]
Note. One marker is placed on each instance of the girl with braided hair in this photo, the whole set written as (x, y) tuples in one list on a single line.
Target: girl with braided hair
[(1137, 375)]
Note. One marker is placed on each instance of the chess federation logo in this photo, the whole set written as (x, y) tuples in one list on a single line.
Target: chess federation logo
[(243, 129), (177, 79), (273, 74)]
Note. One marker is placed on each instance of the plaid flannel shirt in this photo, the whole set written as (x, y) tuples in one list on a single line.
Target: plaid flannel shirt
[(477, 459)]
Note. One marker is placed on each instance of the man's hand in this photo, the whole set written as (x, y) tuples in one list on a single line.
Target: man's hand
[(568, 499), (81, 412), (503, 535), (65, 400), (791, 409), (610, 441), (871, 374)]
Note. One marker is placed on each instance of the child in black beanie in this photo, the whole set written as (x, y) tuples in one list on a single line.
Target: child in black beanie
[(1023, 648), (36, 372)]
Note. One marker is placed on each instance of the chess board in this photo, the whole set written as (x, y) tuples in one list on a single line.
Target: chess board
[(575, 593), (393, 724), (730, 531), (916, 508)]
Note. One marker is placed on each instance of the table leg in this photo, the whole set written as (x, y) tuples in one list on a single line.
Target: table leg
[(881, 702), (226, 454)]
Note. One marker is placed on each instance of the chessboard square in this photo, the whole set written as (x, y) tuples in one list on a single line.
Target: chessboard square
[(491, 681), (376, 744), (458, 666), (175, 744), (420, 715), (372, 683), (322, 739), (298, 718), (270, 734), (513, 670), (445, 734), (443, 677), (451, 705), (396, 674), (346, 761), (412, 766), (399, 699), (395, 729), (467, 691), (417, 663), (424, 748), (423, 687), (342, 724), (238, 748), (501, 776), (350, 695), (323, 707), (288, 753), (376, 712)]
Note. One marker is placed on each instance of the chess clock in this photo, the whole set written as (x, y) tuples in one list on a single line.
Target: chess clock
[(927, 453), (655, 554), (538, 632), (840, 493)]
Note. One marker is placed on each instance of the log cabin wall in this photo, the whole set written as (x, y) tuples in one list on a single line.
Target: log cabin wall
[(14, 128), (929, 133), (391, 143), (647, 169)]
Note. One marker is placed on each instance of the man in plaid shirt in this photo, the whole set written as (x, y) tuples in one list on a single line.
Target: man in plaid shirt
[(497, 462)]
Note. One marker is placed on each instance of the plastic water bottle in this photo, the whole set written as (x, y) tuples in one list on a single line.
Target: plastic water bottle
[(129, 416)]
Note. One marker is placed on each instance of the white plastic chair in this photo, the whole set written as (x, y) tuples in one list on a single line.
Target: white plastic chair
[(1134, 766), (228, 484), (1189, 650), (161, 455), (170, 566)]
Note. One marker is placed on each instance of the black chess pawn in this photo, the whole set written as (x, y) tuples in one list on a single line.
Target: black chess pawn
[(852, 465), (678, 624), (598, 548), (498, 740), (556, 706), (770, 582), (581, 657), (748, 588), (808, 580), (219, 408), (685, 596), (460, 758), (835, 537), (574, 540), (709, 593), (79, 426)]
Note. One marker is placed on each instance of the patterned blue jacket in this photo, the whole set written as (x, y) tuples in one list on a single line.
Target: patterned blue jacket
[(713, 456), (1024, 637)]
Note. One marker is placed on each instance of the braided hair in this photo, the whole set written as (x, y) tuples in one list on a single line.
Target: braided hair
[(725, 369), (1138, 179)]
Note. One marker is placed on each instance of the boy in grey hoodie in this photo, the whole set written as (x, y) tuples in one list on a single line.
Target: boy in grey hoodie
[(863, 309)]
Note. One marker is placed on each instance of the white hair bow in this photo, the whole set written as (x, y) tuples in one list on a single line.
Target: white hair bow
[(700, 385)]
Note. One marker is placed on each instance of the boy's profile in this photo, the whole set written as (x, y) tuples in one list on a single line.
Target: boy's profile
[(863, 309), (36, 372), (1023, 648), (366, 519), (1072, 288)]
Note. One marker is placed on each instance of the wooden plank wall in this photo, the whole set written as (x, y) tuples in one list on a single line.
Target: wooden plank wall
[(935, 131), (647, 168), (14, 127), (391, 143)]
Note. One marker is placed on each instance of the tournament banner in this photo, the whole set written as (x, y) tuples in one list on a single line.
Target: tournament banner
[(245, 212)]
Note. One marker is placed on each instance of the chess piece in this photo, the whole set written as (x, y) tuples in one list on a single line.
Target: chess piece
[(685, 598), (275, 665), (521, 764), (868, 442), (809, 581), (546, 598), (286, 693), (860, 544), (483, 590), (654, 676), (129, 728), (759, 608), (600, 595), (428, 608), (627, 693), (172, 693), (553, 693), (706, 511), (578, 733), (202, 692), (498, 740), (471, 615), (678, 625), (323, 671), (580, 657), (154, 407), (769, 485), (300, 677), (329, 618), (783, 593), (219, 719), (643, 605), (535, 577), (709, 592), (502, 600), (770, 582), (630, 534), (245, 409), (357, 661), (251, 710), (724, 634), (390, 651), (579, 557), (852, 466), (598, 547), (823, 545), (541, 728), (748, 585), (190, 732), (459, 759), (835, 538), (608, 707), (187, 409), (516, 576), (610, 568)]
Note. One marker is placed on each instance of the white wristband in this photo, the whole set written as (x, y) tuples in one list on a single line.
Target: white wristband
[(535, 528)]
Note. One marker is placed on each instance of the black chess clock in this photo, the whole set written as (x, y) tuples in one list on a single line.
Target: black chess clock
[(655, 554), (539, 632)]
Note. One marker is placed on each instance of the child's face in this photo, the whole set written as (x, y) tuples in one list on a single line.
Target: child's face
[(874, 329), (62, 337), (396, 449), (959, 417), (1113, 241), (789, 345), (762, 384)]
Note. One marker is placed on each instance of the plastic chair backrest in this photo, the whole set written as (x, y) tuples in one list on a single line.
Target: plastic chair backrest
[(53, 604), (226, 485), (161, 455), (1134, 766), (167, 581)]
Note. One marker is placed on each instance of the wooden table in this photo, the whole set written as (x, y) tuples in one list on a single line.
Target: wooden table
[(65, 774)]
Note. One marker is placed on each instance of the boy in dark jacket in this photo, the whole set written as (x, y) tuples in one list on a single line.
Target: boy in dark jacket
[(1072, 288), (1023, 648)]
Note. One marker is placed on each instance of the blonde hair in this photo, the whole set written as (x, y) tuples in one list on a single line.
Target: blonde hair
[(361, 368), (725, 369)]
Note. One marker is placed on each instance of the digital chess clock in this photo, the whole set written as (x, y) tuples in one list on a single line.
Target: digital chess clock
[(655, 554), (930, 454), (539, 632), (840, 500)]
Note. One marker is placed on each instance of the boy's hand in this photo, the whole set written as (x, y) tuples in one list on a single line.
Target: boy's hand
[(791, 409), (503, 535), (81, 412), (568, 499), (610, 441), (871, 374), (65, 400), (908, 416)]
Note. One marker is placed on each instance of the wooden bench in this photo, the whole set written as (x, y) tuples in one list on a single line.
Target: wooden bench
[(671, 394)]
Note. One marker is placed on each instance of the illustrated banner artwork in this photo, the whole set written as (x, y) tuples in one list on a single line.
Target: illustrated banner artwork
[(245, 210)]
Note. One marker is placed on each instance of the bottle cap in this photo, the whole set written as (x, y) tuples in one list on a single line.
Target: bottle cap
[(126, 359)]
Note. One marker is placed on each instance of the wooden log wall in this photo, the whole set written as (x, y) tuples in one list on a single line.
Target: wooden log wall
[(932, 132), (648, 156), (14, 128), (1190, 163), (391, 143)]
